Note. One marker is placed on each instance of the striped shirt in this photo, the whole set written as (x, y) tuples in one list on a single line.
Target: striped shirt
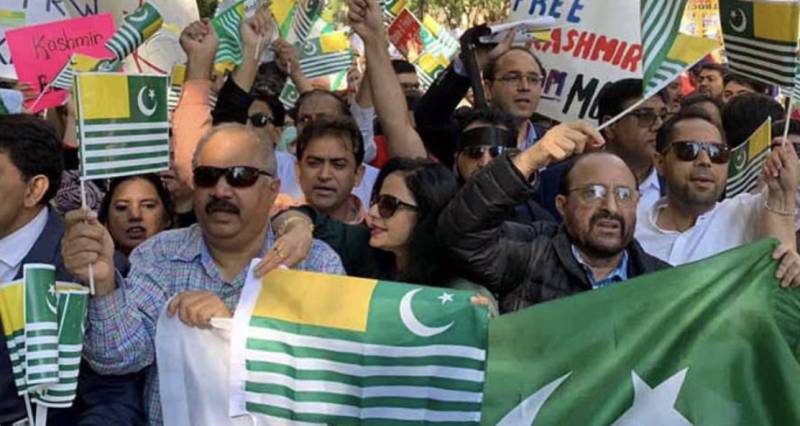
[(120, 337)]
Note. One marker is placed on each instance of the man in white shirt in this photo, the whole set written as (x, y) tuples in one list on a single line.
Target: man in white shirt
[(690, 223)]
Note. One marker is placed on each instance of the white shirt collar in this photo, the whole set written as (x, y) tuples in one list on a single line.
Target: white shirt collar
[(16, 246), (651, 181)]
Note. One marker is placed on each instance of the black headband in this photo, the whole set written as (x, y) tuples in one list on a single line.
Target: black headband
[(487, 136)]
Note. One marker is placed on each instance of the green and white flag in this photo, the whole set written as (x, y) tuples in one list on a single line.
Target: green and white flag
[(72, 305), (329, 349), (227, 24), (41, 324), (305, 15), (327, 54), (136, 28), (289, 95), (661, 20), (123, 124), (64, 77), (12, 318), (708, 343), (747, 160)]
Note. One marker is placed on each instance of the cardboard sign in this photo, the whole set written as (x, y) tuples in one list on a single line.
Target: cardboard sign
[(40, 51), (405, 34), (599, 43)]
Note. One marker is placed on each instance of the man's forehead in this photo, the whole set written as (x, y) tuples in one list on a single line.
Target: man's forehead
[(318, 104), (230, 146), (604, 169), (517, 60), (696, 129)]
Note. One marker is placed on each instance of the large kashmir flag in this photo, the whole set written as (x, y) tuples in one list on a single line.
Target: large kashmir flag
[(309, 347), (761, 38), (122, 124), (709, 343)]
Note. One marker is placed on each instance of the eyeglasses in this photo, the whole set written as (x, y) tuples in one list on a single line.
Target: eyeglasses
[(690, 150), (237, 176), (595, 193), (477, 152), (388, 205), (647, 117), (517, 79), (260, 120)]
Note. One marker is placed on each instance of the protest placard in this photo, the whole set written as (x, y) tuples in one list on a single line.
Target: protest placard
[(598, 42), (9, 19), (405, 34), (40, 51)]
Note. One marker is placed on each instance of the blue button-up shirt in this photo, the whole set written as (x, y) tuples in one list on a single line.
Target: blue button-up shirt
[(617, 275), (120, 337)]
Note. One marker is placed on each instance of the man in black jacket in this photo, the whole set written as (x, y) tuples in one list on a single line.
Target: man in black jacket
[(528, 264)]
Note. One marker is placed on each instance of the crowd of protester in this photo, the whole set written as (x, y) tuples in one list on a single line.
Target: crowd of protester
[(384, 181)]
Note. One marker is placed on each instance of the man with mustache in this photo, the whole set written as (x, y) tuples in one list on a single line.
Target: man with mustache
[(529, 264), (196, 272), (690, 223)]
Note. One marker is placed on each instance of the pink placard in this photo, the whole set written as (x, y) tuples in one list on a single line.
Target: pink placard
[(39, 51)]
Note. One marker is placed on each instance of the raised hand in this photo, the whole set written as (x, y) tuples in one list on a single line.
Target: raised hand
[(87, 242), (558, 144)]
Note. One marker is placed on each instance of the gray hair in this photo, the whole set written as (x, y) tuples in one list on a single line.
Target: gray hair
[(266, 153)]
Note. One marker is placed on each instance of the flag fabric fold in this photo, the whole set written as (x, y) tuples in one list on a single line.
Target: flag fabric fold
[(761, 38), (747, 160), (309, 347), (661, 21), (123, 124), (227, 26), (708, 343), (136, 28), (684, 52), (324, 55)]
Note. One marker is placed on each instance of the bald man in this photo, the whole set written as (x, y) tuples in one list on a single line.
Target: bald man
[(529, 264)]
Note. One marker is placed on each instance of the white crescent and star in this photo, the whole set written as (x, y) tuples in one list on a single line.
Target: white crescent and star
[(738, 14), (51, 295), (140, 101), (741, 160), (412, 323), (139, 18), (651, 406)]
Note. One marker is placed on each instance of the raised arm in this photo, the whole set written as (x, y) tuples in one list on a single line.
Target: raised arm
[(402, 140), (777, 218)]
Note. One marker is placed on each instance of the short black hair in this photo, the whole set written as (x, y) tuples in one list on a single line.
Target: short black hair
[(778, 127), (757, 86), (491, 115), (743, 114), (275, 105), (341, 127), (699, 98), (344, 108), (154, 179), (612, 98), (490, 69), (402, 66), (33, 146), (665, 133), (713, 66)]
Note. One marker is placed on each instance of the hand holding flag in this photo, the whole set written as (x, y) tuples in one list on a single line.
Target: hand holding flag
[(87, 244)]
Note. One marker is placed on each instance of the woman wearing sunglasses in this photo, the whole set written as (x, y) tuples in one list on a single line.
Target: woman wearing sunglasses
[(397, 242)]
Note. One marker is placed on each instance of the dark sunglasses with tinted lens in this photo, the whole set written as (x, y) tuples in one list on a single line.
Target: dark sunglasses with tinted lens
[(259, 119), (689, 150), (477, 152), (388, 205), (237, 176)]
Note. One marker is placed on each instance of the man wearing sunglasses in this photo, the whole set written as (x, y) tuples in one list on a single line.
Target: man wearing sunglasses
[(690, 223), (533, 263), (196, 273)]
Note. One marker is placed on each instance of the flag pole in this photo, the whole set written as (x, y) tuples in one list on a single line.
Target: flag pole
[(622, 115), (84, 205), (788, 121), (28, 408)]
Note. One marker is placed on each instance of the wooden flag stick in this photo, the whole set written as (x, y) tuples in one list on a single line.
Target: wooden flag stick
[(84, 205), (788, 121), (622, 115)]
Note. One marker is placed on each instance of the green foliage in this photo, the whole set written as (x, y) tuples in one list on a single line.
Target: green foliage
[(207, 8), (461, 13)]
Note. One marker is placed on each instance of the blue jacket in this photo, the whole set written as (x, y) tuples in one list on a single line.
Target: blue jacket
[(102, 400)]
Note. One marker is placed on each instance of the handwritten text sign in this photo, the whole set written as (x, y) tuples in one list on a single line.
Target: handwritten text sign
[(40, 51)]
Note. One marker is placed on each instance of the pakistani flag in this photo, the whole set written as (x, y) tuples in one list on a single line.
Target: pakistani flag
[(307, 12), (12, 318), (340, 350), (122, 124), (136, 28), (72, 305), (761, 38), (684, 52), (226, 25), (289, 95), (708, 343), (327, 54), (41, 324), (747, 159)]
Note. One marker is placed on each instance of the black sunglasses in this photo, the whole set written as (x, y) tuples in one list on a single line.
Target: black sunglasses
[(689, 150), (477, 152), (388, 205), (260, 120), (237, 176)]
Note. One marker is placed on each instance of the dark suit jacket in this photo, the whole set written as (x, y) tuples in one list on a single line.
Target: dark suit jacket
[(102, 400)]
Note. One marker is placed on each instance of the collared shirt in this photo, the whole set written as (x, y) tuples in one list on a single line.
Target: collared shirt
[(121, 329), (620, 273), (530, 136), (358, 213), (14, 247), (731, 223), (649, 193)]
